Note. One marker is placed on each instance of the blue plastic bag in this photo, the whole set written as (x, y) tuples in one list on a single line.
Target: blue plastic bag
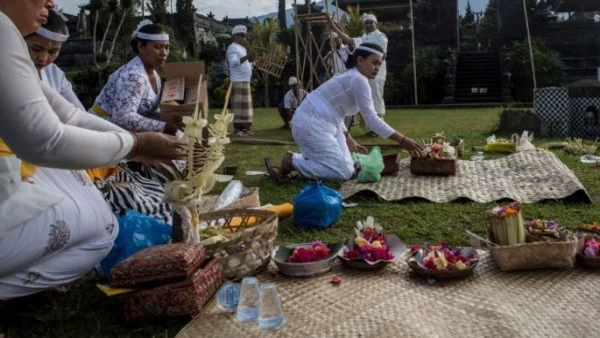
[(317, 206), (136, 232)]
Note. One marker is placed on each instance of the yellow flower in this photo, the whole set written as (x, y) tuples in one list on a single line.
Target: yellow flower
[(460, 265), (360, 240), (440, 262), (376, 245)]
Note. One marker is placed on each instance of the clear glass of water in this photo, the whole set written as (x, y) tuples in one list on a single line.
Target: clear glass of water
[(249, 302), (271, 313)]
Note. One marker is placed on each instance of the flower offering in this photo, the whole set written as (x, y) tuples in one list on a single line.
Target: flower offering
[(591, 247), (369, 244), (594, 227), (441, 258), (537, 225), (505, 225), (316, 252)]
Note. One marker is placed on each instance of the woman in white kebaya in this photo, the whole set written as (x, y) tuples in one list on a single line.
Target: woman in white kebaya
[(54, 224), (318, 124), (131, 97), (44, 47)]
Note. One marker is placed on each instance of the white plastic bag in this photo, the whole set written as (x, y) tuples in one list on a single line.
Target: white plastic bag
[(232, 193), (524, 142)]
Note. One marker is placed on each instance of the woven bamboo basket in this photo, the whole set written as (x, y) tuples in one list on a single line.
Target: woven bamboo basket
[(440, 167), (590, 262), (538, 255), (390, 164), (249, 245)]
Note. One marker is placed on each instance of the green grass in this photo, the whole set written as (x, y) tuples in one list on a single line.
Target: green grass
[(84, 311)]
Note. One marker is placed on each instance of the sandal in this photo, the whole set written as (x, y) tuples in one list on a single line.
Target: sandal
[(274, 174)]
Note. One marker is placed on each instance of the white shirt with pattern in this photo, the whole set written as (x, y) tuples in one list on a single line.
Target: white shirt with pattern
[(129, 99)]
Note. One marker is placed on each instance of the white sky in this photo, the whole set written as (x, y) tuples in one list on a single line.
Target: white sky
[(242, 8)]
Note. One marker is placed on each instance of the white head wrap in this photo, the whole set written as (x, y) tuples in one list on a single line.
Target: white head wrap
[(292, 81), (369, 17), (147, 36), (239, 29), (334, 35), (53, 35), (368, 49)]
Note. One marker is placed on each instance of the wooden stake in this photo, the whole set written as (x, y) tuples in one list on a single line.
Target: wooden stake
[(414, 53), (530, 46), (298, 75), (319, 57)]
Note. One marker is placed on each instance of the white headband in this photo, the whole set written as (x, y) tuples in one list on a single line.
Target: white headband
[(365, 48), (152, 37), (52, 35), (147, 36)]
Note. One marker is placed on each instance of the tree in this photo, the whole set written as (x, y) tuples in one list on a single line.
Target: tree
[(264, 37), (185, 24), (101, 58), (281, 15), (354, 25), (469, 18), (158, 11)]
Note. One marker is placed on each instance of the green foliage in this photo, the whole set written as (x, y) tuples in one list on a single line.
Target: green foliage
[(158, 11), (185, 23), (548, 66), (175, 50), (429, 67), (354, 23)]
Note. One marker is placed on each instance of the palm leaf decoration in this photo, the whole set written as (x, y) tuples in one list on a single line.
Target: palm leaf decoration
[(205, 154)]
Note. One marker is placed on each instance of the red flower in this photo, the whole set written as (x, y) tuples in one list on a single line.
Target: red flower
[(415, 248), (335, 280)]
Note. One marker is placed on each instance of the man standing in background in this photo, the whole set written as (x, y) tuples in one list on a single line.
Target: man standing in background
[(240, 74)]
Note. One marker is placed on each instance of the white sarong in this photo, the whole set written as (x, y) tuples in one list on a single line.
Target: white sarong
[(59, 245)]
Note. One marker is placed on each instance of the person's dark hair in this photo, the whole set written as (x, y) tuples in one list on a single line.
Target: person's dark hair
[(361, 52), (56, 23), (148, 29)]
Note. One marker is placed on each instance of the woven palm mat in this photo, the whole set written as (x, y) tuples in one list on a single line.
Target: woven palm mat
[(260, 141), (527, 177), (389, 303)]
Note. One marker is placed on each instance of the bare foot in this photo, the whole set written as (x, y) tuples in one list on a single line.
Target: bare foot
[(286, 166)]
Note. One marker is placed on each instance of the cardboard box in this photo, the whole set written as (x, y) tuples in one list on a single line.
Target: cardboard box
[(180, 93)]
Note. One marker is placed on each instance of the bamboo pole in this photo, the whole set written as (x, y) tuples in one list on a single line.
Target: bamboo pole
[(309, 51), (298, 75), (310, 65), (319, 57), (331, 44), (414, 53), (530, 46), (337, 10)]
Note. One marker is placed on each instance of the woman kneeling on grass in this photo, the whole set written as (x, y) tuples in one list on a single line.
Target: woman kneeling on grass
[(318, 124)]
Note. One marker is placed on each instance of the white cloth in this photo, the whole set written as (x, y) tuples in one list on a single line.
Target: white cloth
[(344, 95), (62, 244), (290, 101), (324, 153), (377, 86), (340, 56), (238, 72), (42, 128), (318, 126), (129, 99), (55, 78)]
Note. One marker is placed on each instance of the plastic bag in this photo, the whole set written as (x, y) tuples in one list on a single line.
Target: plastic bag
[(524, 142), (316, 206), (371, 165), (232, 193), (136, 232)]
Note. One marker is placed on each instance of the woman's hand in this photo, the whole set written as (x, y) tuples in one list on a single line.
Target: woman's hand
[(150, 147), (412, 147), (173, 122), (354, 147)]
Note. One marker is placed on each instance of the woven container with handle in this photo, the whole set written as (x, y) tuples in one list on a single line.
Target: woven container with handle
[(538, 255), (251, 238), (440, 166)]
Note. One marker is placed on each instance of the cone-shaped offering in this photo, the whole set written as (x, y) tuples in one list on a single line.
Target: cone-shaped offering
[(505, 225)]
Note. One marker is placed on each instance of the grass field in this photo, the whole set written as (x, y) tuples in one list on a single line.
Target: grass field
[(85, 312)]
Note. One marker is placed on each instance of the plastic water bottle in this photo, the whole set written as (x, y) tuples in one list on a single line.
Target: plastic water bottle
[(249, 303), (271, 313), (478, 156)]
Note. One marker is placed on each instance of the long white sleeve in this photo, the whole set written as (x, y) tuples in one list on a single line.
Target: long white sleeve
[(33, 130), (362, 95)]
